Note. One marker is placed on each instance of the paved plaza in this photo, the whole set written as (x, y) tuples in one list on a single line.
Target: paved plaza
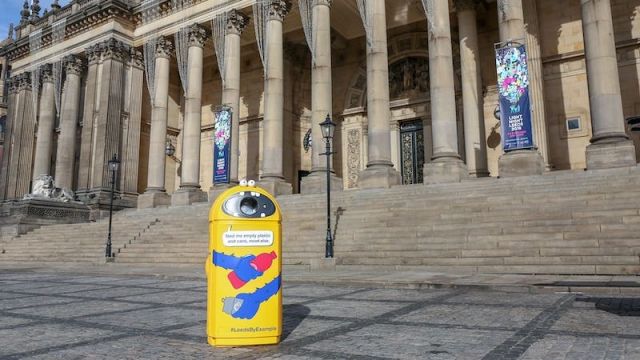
[(78, 316)]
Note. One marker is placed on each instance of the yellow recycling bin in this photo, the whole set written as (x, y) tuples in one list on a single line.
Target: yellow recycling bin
[(244, 297)]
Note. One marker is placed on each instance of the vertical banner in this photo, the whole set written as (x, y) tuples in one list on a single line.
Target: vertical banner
[(513, 90), (222, 145)]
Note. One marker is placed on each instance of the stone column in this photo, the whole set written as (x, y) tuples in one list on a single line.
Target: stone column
[(65, 159), (272, 177), (610, 146), (12, 85), (108, 119), (132, 124), (536, 79), (94, 56), (517, 162), (236, 23), (46, 124), (27, 121), (155, 194), (446, 164), (379, 172), (321, 100), (189, 191), (474, 135), (21, 139)]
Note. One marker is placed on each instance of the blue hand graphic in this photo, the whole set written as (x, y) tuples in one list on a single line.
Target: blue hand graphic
[(245, 306), (245, 270), (225, 261)]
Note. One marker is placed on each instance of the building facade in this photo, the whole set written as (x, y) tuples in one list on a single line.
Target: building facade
[(411, 85)]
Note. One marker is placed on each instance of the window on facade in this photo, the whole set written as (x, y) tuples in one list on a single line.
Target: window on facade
[(573, 124)]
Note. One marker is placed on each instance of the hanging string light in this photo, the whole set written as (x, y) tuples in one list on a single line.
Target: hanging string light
[(149, 53), (182, 55), (428, 8), (219, 33), (57, 36), (261, 15), (366, 13), (306, 15)]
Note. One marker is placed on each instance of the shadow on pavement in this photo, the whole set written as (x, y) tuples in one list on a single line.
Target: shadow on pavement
[(292, 316)]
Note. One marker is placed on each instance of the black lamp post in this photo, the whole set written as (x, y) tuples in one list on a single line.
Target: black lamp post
[(114, 164), (328, 128)]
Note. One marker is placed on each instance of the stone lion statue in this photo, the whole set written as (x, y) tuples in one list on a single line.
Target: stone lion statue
[(44, 188)]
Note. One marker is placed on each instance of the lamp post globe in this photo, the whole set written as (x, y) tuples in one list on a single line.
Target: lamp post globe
[(114, 165), (169, 149), (328, 128)]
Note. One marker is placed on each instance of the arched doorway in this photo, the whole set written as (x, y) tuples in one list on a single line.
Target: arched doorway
[(409, 106)]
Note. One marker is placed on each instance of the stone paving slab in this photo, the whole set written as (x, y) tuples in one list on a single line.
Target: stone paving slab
[(151, 317), (400, 279)]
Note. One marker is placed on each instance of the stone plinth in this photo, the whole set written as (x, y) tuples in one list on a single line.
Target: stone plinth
[(322, 264), (153, 199), (99, 199), (603, 155), (316, 183), (19, 217), (275, 187), (520, 163), (218, 189), (379, 177), (445, 170), (188, 196)]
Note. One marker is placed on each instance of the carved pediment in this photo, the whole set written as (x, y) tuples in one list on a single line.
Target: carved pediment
[(409, 78)]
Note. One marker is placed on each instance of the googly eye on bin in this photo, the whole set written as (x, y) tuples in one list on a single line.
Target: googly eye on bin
[(251, 183), (243, 182)]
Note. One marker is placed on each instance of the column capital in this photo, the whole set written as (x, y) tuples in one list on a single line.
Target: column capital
[(73, 64), (278, 9), (93, 53), (462, 5), (197, 35), (23, 82), (47, 73), (136, 58), (164, 48), (12, 85), (236, 22), (321, 2), (113, 49)]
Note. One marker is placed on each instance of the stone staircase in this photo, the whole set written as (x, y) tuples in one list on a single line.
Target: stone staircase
[(561, 222), (72, 242)]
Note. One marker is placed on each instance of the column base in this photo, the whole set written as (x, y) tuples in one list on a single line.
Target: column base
[(153, 199), (276, 187), (445, 170), (520, 163), (322, 264), (217, 189), (479, 174), (379, 177), (188, 196), (611, 154), (316, 183)]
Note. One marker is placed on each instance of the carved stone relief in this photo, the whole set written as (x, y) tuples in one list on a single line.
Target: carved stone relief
[(353, 157)]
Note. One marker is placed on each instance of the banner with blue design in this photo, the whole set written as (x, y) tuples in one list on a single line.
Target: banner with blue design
[(222, 146), (513, 90)]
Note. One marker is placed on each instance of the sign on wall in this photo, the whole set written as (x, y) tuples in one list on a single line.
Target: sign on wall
[(222, 146), (513, 90)]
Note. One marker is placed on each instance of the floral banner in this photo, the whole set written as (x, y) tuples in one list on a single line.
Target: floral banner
[(222, 146), (513, 90)]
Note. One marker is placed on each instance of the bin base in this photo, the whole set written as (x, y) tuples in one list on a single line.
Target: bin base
[(222, 342)]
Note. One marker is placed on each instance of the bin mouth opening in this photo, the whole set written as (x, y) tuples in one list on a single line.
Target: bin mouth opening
[(249, 205)]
